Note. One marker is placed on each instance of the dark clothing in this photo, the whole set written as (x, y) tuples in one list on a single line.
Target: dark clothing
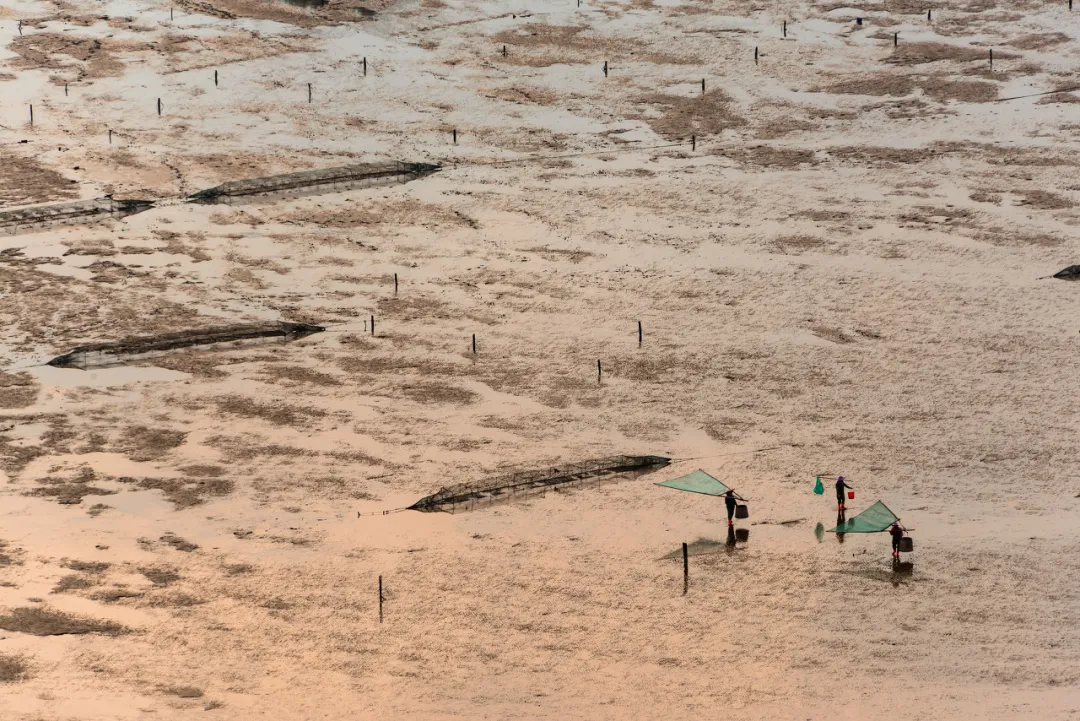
[(897, 533), (840, 486), (730, 503)]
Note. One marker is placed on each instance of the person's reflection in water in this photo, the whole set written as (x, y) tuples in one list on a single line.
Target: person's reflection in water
[(731, 536), (901, 571), (899, 566), (839, 521)]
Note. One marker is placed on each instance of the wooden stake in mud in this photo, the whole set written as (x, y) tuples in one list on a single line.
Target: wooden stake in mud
[(685, 569), (605, 68), (895, 39), (991, 58), (639, 335), (215, 79), (365, 66), (928, 16), (65, 90), (380, 599), (372, 325), (755, 56), (159, 107), (20, 28), (785, 28), (693, 142), (454, 132), (703, 86), (110, 136), (170, 14), (395, 283), (474, 343), (599, 372), (504, 51), (31, 115), (309, 92)]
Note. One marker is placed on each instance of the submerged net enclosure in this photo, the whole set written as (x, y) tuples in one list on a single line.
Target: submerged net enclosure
[(112, 353), (315, 181), (523, 481), (79, 211), (874, 519)]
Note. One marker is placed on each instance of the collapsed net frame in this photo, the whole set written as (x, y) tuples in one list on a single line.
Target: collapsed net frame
[(306, 181), (97, 354), (492, 488), (36, 216)]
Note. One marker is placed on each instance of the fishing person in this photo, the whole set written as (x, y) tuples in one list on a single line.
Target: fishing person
[(897, 533), (840, 486), (729, 501)]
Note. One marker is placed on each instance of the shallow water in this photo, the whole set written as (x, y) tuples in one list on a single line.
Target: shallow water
[(103, 377)]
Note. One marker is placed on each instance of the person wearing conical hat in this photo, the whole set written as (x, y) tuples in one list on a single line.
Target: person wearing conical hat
[(729, 501)]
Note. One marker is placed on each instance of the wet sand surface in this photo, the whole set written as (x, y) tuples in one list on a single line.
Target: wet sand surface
[(833, 253)]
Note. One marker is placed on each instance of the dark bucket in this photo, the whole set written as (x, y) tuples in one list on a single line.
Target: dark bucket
[(741, 511), (742, 535), (906, 546)]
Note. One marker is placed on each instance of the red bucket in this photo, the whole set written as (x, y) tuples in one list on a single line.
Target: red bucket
[(851, 495)]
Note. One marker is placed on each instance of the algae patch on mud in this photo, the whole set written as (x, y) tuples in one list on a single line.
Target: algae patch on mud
[(47, 622)]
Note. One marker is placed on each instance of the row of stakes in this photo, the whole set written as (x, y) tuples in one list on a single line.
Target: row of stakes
[(160, 107), (686, 580), (929, 17), (685, 565), (369, 326), (895, 43)]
